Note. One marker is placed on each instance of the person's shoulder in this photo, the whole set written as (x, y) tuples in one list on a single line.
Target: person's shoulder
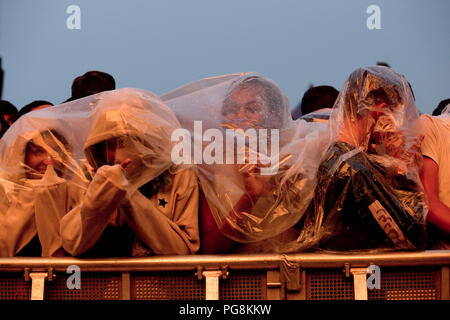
[(184, 178), (432, 123), (427, 119)]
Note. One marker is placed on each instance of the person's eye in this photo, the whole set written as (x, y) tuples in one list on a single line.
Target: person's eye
[(123, 143)]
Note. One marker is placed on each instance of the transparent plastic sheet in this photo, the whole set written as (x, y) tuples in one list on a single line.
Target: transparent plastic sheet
[(322, 115), (267, 191), (40, 140), (445, 112), (50, 156), (369, 196)]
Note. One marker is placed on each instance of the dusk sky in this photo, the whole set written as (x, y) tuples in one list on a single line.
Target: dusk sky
[(160, 45)]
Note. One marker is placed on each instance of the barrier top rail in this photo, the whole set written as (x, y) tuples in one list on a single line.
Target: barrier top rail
[(232, 261)]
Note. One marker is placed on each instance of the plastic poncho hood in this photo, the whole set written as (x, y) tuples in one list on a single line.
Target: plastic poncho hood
[(132, 124)]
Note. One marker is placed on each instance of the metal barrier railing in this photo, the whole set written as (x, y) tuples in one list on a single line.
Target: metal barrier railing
[(285, 276)]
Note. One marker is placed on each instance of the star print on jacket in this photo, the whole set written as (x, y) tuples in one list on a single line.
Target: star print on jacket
[(162, 202)]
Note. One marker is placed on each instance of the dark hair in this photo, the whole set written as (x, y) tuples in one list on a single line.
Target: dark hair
[(319, 97), (29, 107), (3, 124), (372, 85), (7, 107), (384, 64), (91, 82), (440, 107)]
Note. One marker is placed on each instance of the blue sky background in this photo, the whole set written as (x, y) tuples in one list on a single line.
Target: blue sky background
[(159, 45)]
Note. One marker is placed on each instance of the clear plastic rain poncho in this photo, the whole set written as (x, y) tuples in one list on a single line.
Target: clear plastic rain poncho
[(369, 195), (37, 157), (76, 144), (256, 166)]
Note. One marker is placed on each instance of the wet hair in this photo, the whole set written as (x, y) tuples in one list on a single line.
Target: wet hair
[(269, 91), (29, 107), (317, 98), (441, 106)]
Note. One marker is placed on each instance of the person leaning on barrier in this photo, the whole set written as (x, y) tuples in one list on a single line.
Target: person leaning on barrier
[(138, 202), (435, 175), (33, 165), (253, 102), (250, 194), (369, 194)]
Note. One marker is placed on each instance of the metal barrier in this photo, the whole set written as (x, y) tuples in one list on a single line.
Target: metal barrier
[(305, 276)]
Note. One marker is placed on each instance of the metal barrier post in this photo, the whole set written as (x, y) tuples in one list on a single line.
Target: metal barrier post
[(360, 283), (212, 284), (37, 285), (445, 283)]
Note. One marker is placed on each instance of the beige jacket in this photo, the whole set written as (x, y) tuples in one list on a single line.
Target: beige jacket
[(166, 229), (31, 206), (167, 223)]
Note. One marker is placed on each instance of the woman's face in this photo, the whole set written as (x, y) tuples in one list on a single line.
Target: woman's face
[(39, 155)]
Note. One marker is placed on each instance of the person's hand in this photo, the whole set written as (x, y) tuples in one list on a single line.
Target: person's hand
[(256, 184), (125, 163)]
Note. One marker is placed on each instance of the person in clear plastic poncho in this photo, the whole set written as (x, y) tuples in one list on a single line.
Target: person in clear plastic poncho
[(256, 165), (369, 195), (112, 189), (138, 203), (36, 165)]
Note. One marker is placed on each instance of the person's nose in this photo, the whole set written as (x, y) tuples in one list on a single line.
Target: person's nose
[(110, 156), (47, 160)]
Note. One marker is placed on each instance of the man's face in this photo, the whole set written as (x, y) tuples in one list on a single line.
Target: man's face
[(245, 108), (119, 149), (385, 136)]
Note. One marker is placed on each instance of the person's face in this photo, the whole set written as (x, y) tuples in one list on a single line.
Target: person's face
[(385, 137), (245, 108), (38, 158), (10, 118), (119, 149)]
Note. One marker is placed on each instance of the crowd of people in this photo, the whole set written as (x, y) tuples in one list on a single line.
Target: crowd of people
[(349, 170)]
